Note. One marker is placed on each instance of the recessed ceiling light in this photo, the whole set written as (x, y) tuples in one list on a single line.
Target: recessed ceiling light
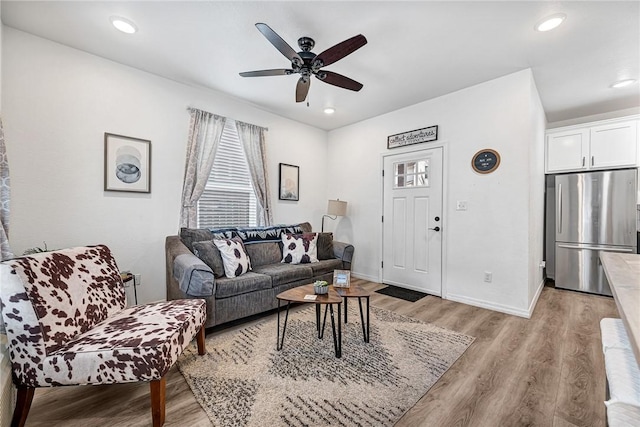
[(123, 24), (550, 22), (623, 83), (329, 110)]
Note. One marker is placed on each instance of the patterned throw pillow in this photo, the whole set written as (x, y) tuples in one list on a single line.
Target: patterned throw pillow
[(299, 248), (234, 256)]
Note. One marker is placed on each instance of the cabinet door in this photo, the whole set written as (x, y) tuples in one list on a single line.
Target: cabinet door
[(567, 150), (614, 145)]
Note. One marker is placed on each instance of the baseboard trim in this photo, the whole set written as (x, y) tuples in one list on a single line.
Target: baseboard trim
[(489, 305), (365, 277), (534, 301)]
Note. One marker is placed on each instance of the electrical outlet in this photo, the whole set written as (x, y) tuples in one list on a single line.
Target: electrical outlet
[(137, 279), (488, 276), (461, 205)]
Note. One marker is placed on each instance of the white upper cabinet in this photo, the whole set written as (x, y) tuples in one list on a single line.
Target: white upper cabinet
[(614, 145), (609, 144), (567, 151)]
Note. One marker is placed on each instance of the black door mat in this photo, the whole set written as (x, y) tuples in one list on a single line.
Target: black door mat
[(402, 293)]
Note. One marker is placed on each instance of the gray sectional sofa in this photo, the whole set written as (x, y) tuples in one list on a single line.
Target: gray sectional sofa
[(189, 276)]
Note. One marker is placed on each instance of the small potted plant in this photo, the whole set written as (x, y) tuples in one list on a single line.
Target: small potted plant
[(320, 287)]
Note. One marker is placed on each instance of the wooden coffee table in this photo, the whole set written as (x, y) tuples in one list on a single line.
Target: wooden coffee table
[(356, 292), (330, 298)]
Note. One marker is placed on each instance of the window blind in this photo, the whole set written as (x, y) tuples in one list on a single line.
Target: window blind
[(228, 199)]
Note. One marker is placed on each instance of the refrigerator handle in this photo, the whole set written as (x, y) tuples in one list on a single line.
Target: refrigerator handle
[(559, 209), (598, 248)]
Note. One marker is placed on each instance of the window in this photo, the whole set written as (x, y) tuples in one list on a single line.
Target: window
[(414, 173), (228, 198)]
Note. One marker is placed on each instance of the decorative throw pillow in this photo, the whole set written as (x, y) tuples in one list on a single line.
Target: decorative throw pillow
[(234, 256), (299, 248), (325, 246), (209, 253)]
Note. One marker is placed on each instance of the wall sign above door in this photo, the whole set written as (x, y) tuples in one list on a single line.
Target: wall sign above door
[(413, 137), (485, 161)]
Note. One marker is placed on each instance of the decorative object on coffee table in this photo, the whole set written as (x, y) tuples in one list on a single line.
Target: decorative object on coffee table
[(320, 287), (341, 278)]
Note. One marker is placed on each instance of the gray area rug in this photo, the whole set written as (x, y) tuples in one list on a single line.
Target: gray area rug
[(244, 381)]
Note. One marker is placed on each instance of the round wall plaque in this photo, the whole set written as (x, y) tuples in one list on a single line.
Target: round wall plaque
[(485, 161)]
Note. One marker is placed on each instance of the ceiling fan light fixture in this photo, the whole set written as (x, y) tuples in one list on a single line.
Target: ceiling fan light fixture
[(123, 24), (623, 83), (329, 110), (550, 22)]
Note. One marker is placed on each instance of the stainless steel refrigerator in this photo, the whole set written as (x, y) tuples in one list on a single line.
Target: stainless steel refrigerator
[(594, 212)]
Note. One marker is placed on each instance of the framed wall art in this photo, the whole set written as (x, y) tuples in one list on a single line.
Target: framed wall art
[(127, 164), (289, 182)]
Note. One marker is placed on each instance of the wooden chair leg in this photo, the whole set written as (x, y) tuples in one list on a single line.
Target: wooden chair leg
[(23, 404), (158, 398), (201, 346)]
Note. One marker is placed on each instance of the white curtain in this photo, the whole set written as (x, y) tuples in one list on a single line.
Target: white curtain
[(205, 130), (5, 195), (252, 139)]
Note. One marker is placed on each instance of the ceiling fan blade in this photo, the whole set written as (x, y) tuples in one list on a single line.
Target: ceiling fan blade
[(339, 80), (341, 50), (263, 73), (279, 43), (302, 89)]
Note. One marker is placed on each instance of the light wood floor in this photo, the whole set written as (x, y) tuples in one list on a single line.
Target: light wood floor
[(543, 371)]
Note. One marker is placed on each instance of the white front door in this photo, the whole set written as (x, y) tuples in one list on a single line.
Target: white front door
[(412, 221)]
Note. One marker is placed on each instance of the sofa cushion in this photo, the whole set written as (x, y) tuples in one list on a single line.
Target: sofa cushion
[(325, 246), (234, 256), (285, 273), (209, 253), (325, 266), (299, 248), (248, 282), (266, 234), (264, 253), (191, 235)]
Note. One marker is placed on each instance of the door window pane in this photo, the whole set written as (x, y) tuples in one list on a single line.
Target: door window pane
[(414, 173)]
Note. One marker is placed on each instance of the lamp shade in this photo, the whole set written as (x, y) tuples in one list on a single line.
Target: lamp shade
[(337, 207)]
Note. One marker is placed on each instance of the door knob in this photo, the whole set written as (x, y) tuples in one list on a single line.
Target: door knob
[(435, 229)]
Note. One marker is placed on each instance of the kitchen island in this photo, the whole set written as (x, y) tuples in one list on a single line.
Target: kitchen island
[(623, 273)]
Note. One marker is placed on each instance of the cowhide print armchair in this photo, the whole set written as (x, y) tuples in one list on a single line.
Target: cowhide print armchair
[(67, 324)]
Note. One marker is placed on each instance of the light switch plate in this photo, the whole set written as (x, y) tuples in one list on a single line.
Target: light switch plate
[(461, 205)]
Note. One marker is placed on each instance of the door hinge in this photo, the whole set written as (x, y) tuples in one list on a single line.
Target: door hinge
[(382, 218), (382, 172), (381, 264)]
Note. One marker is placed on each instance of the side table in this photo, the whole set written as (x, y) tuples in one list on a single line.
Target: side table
[(360, 293), (297, 295)]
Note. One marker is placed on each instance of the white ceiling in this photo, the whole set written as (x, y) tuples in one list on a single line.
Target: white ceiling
[(416, 50)]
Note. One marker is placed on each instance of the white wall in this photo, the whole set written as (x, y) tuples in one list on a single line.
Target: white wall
[(493, 234), (57, 104)]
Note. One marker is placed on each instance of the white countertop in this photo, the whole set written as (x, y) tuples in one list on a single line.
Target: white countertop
[(623, 274)]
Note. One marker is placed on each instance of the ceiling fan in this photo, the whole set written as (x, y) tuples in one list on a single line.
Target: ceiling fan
[(307, 63)]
